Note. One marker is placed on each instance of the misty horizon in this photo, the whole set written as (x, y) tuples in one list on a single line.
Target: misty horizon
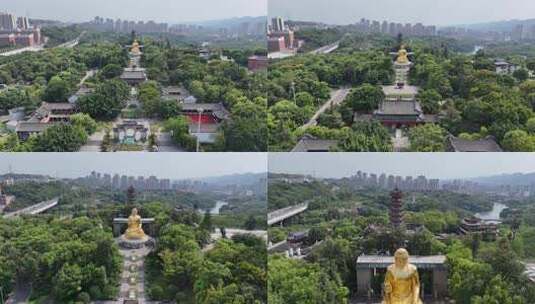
[(344, 12), (443, 166), (163, 165), (173, 12)]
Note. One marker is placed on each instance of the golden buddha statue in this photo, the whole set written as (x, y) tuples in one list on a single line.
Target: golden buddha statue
[(402, 56), (135, 48), (402, 283), (134, 231)]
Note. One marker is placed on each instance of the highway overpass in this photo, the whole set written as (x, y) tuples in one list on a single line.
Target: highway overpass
[(280, 215), (34, 209)]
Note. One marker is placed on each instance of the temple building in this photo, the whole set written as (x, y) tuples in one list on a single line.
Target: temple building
[(400, 107), (487, 144), (44, 117), (257, 63), (205, 120), (309, 143), (133, 74), (396, 208), (473, 225), (131, 132), (53, 112)]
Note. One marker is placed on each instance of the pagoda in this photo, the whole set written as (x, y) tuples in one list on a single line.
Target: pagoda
[(396, 205)]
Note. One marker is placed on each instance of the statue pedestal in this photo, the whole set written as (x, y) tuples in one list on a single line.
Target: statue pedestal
[(125, 243)]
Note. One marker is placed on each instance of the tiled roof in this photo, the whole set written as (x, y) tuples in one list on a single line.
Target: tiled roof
[(488, 144), (399, 108), (25, 126), (309, 143)]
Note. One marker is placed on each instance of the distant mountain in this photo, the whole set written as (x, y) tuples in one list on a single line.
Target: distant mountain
[(507, 179), (499, 26), (235, 179), (230, 23)]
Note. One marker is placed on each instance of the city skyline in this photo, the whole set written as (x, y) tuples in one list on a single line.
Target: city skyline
[(173, 12), (165, 165), (415, 11), (441, 166)]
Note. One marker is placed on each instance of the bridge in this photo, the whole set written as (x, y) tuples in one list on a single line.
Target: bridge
[(326, 49), (34, 209), (280, 215)]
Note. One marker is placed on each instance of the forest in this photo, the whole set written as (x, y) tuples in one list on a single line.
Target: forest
[(54, 75), (350, 222), (462, 89)]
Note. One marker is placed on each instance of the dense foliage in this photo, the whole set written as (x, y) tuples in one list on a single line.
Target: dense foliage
[(471, 99), (60, 260), (234, 271), (354, 220)]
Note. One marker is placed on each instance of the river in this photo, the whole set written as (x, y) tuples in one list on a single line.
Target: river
[(493, 215), (477, 48), (217, 207)]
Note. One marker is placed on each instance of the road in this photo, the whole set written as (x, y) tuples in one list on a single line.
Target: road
[(337, 97), (34, 209), (280, 215), (38, 48), (326, 49)]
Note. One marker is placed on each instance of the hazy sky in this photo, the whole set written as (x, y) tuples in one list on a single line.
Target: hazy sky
[(172, 11), (169, 165), (437, 12), (435, 165)]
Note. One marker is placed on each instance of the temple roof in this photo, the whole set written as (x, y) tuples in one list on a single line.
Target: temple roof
[(217, 109), (487, 144), (380, 261), (25, 126), (134, 73), (399, 108), (309, 143)]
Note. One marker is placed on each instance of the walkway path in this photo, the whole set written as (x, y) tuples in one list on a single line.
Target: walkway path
[(88, 74), (133, 276), (20, 295), (337, 97)]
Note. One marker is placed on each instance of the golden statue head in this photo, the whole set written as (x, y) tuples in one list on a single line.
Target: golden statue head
[(401, 257), (134, 231), (135, 47), (402, 55), (402, 282)]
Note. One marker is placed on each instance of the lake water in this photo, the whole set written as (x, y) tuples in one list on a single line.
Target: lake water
[(217, 207), (494, 214), (477, 48)]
